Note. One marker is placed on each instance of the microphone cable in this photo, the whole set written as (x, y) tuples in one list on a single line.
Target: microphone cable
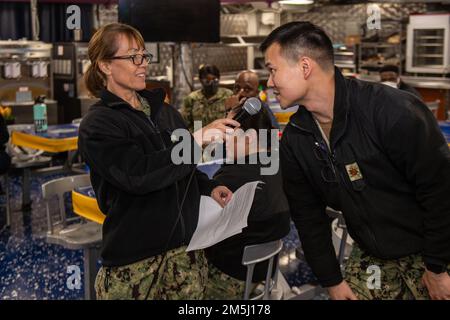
[(180, 210)]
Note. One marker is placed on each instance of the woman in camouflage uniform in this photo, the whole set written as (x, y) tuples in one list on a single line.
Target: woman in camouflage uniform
[(151, 204)]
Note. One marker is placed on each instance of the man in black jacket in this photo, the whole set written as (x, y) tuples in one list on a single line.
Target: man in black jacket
[(373, 152), (268, 219)]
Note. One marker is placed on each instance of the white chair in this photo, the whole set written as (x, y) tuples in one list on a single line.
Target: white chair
[(81, 235), (25, 159), (77, 120), (258, 253), (342, 243), (6, 205), (73, 156)]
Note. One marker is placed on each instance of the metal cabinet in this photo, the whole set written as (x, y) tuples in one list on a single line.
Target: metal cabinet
[(428, 44)]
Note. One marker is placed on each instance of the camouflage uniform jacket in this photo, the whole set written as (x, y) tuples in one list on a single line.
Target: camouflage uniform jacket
[(197, 107)]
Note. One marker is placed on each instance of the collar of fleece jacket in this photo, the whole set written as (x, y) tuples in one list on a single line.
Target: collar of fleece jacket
[(155, 98)]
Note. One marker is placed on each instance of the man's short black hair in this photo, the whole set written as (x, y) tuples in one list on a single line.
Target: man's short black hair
[(300, 38), (206, 69), (389, 68)]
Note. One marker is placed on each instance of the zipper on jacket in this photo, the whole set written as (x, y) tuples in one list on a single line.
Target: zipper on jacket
[(299, 128), (183, 227)]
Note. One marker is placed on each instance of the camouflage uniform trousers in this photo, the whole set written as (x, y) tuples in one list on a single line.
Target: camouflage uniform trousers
[(221, 286), (399, 279), (182, 275)]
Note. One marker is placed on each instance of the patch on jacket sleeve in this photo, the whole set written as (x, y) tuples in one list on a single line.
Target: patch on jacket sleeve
[(353, 171)]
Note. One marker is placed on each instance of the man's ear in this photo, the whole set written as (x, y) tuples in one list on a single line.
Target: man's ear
[(105, 67), (306, 66)]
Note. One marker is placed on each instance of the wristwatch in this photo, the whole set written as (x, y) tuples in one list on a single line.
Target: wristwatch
[(436, 268)]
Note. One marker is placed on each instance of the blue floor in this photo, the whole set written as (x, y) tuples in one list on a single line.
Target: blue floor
[(29, 267), (32, 269), (296, 271)]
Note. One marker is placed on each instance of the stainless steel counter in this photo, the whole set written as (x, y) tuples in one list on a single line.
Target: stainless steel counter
[(23, 111), (417, 82), (428, 82)]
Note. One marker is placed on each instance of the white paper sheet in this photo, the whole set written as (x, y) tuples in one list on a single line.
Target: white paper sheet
[(216, 223)]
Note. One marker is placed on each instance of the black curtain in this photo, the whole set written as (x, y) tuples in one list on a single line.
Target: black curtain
[(15, 21), (52, 19)]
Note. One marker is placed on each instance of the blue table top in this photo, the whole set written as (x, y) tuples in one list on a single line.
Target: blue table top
[(210, 168), (59, 131), (86, 191)]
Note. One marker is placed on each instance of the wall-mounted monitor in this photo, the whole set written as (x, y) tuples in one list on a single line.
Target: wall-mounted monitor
[(173, 20)]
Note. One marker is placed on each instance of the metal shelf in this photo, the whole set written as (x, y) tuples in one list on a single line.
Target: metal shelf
[(378, 45), (429, 37), (388, 53), (375, 65), (428, 65), (429, 44), (429, 55), (345, 65)]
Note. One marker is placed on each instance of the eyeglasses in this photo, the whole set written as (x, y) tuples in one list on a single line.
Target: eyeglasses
[(328, 172), (137, 59)]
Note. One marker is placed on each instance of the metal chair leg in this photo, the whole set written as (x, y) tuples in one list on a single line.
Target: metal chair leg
[(26, 189), (8, 209)]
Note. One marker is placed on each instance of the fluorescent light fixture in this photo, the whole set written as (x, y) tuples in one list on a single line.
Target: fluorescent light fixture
[(296, 2)]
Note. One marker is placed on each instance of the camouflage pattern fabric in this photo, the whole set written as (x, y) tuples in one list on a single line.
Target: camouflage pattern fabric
[(199, 108), (221, 286), (399, 279), (145, 106), (182, 275)]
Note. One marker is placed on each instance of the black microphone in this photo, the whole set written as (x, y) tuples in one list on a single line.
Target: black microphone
[(251, 107)]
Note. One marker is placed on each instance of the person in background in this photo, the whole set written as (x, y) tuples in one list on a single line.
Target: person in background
[(372, 152), (389, 75), (246, 86), (268, 219), (208, 103), (151, 204)]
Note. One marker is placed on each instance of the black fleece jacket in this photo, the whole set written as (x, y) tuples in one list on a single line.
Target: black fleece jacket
[(136, 183), (268, 219), (398, 204)]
